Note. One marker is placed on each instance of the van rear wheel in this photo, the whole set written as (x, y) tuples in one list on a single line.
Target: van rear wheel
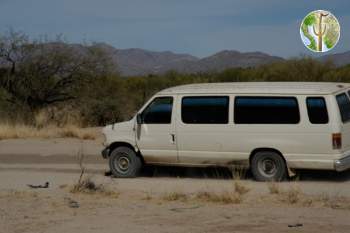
[(124, 162), (268, 166)]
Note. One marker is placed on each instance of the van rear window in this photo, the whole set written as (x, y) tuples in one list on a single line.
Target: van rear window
[(266, 110), (317, 110), (344, 106)]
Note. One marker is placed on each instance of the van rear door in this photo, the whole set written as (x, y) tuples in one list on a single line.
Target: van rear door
[(343, 102)]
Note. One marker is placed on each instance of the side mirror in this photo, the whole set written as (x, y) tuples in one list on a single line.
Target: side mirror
[(139, 119)]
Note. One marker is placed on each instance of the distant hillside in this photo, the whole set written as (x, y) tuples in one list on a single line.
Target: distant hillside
[(134, 62), (231, 59), (339, 59), (143, 62)]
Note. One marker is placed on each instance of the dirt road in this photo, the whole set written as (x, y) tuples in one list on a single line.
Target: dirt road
[(163, 200)]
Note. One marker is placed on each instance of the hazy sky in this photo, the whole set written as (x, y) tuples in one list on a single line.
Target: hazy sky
[(198, 27)]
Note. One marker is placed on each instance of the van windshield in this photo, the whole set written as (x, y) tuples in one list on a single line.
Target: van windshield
[(344, 106)]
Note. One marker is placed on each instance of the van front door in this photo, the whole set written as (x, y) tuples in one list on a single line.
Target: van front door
[(155, 136)]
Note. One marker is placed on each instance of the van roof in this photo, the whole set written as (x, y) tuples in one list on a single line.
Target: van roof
[(313, 88)]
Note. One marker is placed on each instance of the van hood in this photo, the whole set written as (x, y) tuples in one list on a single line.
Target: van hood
[(120, 126), (122, 131)]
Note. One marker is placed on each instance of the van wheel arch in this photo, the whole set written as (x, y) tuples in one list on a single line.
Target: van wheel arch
[(256, 150), (115, 145), (290, 172)]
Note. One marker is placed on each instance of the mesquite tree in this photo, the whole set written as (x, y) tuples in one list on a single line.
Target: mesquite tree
[(42, 73)]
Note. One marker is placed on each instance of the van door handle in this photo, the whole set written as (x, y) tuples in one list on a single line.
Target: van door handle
[(172, 138)]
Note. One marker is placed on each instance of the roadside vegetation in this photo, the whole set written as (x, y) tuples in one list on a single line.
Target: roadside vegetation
[(51, 83), (236, 195), (15, 131), (85, 183), (240, 193)]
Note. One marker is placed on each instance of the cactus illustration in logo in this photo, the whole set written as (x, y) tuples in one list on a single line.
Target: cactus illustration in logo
[(320, 31)]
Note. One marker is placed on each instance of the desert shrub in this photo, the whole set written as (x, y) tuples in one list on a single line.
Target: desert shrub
[(88, 186), (58, 115), (85, 184)]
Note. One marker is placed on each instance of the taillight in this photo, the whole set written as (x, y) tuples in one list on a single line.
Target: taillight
[(336, 141)]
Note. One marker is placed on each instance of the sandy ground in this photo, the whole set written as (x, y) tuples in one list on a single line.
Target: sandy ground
[(142, 204)]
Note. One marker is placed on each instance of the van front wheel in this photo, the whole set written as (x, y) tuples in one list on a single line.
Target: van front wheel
[(124, 162), (268, 166)]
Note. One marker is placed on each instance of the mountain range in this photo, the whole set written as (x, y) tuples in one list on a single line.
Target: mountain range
[(139, 62), (134, 61)]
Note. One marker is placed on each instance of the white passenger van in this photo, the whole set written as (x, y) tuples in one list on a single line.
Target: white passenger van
[(272, 127)]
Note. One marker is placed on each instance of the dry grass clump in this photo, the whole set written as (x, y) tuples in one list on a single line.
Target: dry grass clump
[(10, 131), (175, 196), (88, 186), (274, 188), (18, 194), (223, 198), (240, 188), (226, 197), (238, 172), (72, 131), (292, 195), (326, 200), (295, 196), (148, 196), (334, 201), (234, 196)]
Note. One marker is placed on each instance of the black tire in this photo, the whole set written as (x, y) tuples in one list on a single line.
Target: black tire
[(268, 166), (124, 162)]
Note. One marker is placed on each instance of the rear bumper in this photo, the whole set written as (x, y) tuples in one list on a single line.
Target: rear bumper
[(105, 152), (342, 164)]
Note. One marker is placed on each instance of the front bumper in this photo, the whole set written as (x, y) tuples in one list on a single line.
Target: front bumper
[(342, 164), (105, 152)]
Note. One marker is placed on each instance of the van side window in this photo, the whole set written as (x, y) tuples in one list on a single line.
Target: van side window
[(266, 110), (344, 106), (158, 111), (317, 110), (205, 110)]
